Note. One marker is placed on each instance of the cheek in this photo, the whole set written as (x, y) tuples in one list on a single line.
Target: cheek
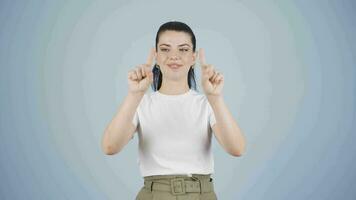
[(160, 59), (189, 61)]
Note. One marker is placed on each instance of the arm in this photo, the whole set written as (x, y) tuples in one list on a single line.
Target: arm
[(119, 131), (226, 130)]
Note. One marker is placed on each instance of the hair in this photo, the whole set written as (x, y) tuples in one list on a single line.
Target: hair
[(157, 74)]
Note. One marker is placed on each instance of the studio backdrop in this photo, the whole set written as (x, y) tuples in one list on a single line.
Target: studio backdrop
[(290, 78)]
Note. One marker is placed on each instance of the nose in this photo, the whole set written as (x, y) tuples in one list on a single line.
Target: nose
[(174, 55)]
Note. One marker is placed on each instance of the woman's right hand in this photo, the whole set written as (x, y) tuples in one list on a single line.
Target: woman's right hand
[(140, 78)]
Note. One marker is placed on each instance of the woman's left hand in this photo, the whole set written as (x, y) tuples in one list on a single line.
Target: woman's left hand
[(211, 80)]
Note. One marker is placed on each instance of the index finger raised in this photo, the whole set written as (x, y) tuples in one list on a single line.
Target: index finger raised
[(151, 57), (202, 56)]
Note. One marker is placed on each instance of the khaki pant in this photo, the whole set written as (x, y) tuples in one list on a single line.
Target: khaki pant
[(177, 187)]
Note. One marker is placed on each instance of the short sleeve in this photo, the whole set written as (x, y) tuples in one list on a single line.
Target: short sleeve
[(135, 122), (211, 115), (135, 119)]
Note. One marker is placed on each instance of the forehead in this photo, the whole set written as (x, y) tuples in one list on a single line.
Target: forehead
[(174, 38)]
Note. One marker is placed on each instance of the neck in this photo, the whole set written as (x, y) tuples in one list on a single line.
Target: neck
[(173, 87)]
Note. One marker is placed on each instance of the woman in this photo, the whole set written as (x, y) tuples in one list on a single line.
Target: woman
[(174, 123)]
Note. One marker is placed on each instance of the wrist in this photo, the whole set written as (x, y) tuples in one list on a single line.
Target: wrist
[(135, 94), (214, 98)]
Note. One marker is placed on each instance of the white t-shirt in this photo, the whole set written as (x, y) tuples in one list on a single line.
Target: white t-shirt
[(174, 134)]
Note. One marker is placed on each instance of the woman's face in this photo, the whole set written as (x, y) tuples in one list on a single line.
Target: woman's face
[(175, 54)]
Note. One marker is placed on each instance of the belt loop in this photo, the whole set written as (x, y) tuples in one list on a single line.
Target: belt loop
[(151, 185), (200, 187)]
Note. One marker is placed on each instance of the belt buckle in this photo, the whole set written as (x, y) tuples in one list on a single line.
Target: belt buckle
[(177, 186)]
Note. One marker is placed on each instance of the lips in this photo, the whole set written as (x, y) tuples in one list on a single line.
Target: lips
[(174, 66)]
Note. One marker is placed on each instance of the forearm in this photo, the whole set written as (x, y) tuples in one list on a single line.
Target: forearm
[(227, 130), (120, 129)]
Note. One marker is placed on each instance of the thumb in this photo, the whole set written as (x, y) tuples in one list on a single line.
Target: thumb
[(149, 76)]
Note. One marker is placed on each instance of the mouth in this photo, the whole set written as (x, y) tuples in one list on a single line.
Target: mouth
[(174, 66)]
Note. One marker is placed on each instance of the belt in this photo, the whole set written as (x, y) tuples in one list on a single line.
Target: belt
[(180, 185)]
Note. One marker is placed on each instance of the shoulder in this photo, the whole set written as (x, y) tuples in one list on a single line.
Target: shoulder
[(199, 96), (148, 98), (200, 100)]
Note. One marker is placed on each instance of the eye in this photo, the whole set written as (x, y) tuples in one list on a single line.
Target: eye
[(165, 50), (185, 50)]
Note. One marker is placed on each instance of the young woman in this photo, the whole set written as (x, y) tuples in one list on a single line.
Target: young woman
[(174, 123)]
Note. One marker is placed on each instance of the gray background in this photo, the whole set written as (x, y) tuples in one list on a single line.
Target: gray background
[(289, 72)]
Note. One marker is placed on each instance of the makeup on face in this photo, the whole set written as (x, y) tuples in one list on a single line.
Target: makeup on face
[(175, 50), (183, 49)]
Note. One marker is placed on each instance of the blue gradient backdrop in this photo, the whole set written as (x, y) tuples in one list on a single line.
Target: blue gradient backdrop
[(290, 78)]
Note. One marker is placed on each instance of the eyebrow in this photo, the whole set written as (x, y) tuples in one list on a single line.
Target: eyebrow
[(185, 44)]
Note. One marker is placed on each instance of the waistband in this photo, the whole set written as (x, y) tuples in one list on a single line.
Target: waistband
[(185, 176), (180, 184)]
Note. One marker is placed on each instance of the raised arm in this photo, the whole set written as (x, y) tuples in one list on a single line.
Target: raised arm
[(226, 129), (119, 131)]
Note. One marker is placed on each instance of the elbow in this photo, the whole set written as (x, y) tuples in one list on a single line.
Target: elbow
[(238, 152), (238, 149), (108, 150)]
